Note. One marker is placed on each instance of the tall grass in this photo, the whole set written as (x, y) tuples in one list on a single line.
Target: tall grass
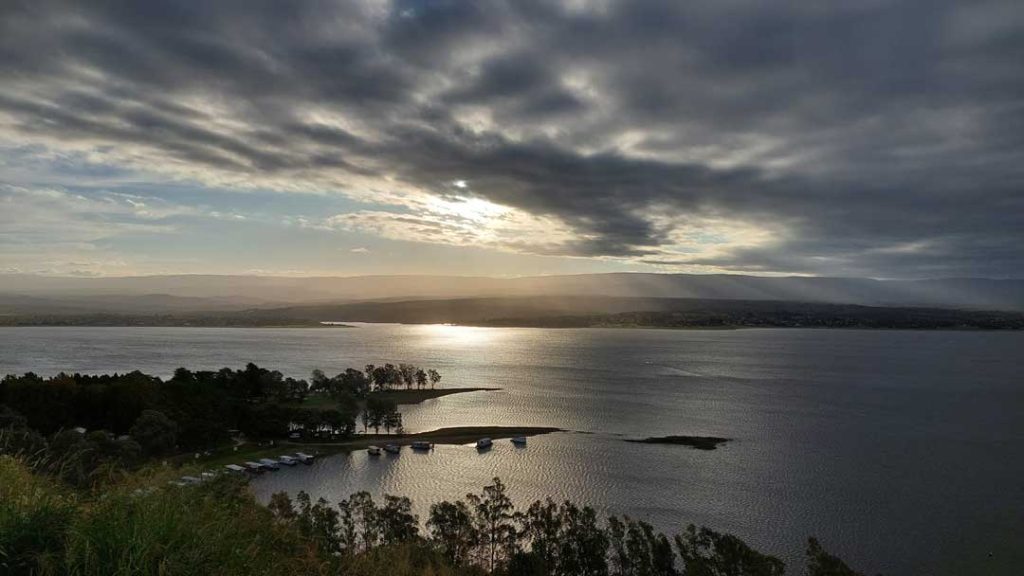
[(131, 530), (35, 516)]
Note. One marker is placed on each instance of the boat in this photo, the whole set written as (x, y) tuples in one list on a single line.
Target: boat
[(519, 440), (483, 443), (288, 460), (305, 458), (234, 468), (373, 450), (270, 464), (255, 467), (421, 445), (392, 448)]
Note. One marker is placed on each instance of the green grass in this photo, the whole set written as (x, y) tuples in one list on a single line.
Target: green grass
[(143, 526)]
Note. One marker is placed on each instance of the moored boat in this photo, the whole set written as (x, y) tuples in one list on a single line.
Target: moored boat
[(305, 458), (270, 464), (373, 450), (287, 460), (421, 445), (392, 448), (254, 467), (483, 443), (519, 440)]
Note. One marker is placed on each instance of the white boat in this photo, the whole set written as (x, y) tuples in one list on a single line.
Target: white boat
[(483, 443), (392, 448), (305, 458), (519, 440), (270, 464), (191, 480), (254, 467), (234, 468), (421, 445), (373, 450), (287, 460)]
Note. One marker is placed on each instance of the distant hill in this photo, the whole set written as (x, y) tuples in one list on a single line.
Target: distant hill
[(119, 304), (251, 291), (564, 311)]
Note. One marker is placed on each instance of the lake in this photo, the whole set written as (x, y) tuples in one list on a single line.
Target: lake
[(903, 452)]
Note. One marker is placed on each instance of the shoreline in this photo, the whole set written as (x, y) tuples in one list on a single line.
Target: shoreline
[(318, 326), (413, 397), (450, 436), (399, 397)]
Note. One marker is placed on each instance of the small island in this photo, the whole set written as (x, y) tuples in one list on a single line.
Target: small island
[(698, 442)]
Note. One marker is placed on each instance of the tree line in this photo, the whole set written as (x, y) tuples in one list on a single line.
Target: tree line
[(132, 417), (485, 534), (375, 379)]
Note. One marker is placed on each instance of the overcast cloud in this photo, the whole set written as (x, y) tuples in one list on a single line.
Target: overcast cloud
[(873, 138)]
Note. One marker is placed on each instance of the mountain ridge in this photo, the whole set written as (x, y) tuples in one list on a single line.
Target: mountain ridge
[(234, 291)]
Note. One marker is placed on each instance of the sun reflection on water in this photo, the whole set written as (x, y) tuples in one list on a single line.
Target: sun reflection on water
[(450, 334)]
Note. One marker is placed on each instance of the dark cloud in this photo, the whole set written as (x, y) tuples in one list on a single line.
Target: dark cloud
[(876, 138)]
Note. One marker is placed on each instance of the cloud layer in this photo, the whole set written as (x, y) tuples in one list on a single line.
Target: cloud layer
[(874, 138)]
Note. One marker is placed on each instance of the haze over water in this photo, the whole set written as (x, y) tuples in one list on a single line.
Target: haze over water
[(902, 451)]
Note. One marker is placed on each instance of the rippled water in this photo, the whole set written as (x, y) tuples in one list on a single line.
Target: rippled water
[(902, 451)]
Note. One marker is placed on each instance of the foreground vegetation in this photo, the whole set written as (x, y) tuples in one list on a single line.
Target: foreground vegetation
[(94, 502), (138, 525)]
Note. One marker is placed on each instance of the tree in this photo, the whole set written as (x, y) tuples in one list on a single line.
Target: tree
[(583, 544), (407, 374), (348, 407), (380, 412), (371, 373), (421, 378), (821, 563), (392, 420), (435, 377), (318, 522), (295, 390), (336, 421), (281, 505), (382, 377), (360, 528), (494, 515), (708, 553), (637, 550), (453, 530), (319, 382), (396, 522), (351, 382), (563, 540), (542, 527), (155, 432)]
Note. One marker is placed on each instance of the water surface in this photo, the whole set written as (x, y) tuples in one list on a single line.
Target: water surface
[(902, 451)]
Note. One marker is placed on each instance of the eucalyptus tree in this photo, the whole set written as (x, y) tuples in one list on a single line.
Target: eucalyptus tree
[(453, 530), (494, 515)]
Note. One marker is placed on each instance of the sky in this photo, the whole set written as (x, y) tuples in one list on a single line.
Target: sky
[(875, 138)]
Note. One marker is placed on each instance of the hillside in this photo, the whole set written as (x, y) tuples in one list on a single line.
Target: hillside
[(249, 291), (568, 311)]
